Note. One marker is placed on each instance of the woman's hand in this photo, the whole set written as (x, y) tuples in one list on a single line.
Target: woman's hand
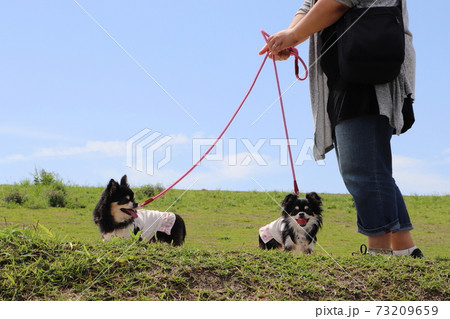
[(281, 56), (278, 45)]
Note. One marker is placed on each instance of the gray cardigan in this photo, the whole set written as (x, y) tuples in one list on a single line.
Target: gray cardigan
[(390, 95)]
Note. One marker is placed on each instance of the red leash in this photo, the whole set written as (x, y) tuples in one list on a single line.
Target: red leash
[(294, 52)]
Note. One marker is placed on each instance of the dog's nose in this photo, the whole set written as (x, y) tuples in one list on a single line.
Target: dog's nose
[(135, 205), (302, 215)]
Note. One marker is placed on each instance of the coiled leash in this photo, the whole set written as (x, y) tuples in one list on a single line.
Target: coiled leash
[(293, 52)]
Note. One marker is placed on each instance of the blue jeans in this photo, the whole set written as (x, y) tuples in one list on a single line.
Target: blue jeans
[(363, 149)]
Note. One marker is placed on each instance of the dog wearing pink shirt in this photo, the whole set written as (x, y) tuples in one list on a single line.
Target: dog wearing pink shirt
[(296, 230), (116, 216)]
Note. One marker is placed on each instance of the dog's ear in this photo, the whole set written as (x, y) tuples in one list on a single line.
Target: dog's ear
[(314, 199), (102, 207), (112, 187), (287, 202), (314, 196), (124, 181)]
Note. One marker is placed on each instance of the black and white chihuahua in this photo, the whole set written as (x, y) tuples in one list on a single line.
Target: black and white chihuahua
[(297, 228), (116, 216)]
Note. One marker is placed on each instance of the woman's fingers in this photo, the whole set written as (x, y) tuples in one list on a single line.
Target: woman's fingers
[(264, 49)]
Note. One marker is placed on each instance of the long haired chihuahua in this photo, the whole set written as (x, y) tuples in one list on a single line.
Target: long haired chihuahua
[(116, 216), (296, 229)]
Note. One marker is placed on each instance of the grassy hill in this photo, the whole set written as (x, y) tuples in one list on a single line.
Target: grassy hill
[(55, 253)]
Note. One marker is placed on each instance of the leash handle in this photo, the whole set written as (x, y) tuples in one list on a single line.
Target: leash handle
[(294, 52)]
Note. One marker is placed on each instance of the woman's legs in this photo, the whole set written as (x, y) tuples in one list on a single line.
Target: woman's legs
[(398, 241), (365, 162)]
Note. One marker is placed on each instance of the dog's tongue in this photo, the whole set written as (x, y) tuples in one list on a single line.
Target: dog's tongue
[(132, 212), (301, 221)]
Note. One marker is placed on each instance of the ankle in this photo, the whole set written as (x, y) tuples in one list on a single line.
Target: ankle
[(402, 240), (382, 242), (380, 251), (404, 252)]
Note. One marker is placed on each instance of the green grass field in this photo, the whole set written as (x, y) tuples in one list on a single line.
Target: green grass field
[(225, 219), (56, 253)]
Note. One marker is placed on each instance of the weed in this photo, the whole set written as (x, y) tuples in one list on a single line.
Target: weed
[(57, 198), (15, 198), (147, 191), (42, 177)]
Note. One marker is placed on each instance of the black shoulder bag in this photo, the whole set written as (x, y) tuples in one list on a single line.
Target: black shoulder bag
[(371, 44)]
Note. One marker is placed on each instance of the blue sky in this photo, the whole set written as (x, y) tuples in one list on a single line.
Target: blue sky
[(81, 78)]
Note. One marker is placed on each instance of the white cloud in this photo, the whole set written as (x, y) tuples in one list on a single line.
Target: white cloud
[(112, 148), (236, 170), (240, 166), (26, 132), (402, 162), (179, 139), (241, 171), (446, 153), (106, 148), (13, 158), (418, 176)]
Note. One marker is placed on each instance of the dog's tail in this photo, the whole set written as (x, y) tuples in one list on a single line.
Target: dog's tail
[(178, 240), (184, 231)]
